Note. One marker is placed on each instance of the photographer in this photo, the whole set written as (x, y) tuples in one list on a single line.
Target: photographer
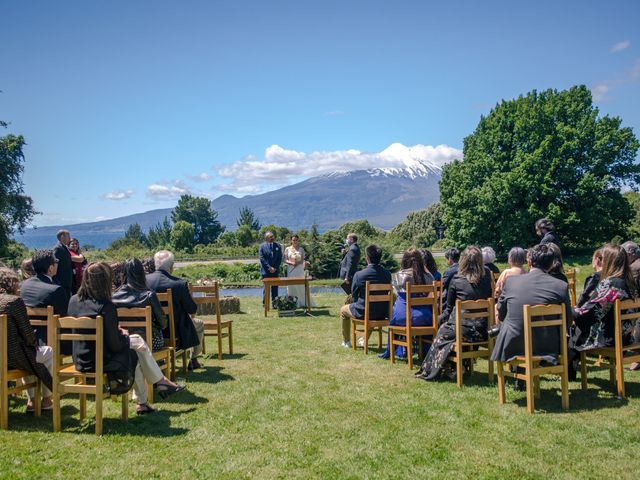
[(349, 264)]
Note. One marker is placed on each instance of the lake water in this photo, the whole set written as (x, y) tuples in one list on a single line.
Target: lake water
[(257, 291), (34, 239)]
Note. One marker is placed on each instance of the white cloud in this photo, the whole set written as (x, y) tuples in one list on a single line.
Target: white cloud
[(599, 92), (279, 165), (118, 195), (166, 190), (203, 177), (100, 218), (618, 47)]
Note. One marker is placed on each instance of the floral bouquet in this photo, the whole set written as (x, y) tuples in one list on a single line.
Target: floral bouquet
[(296, 257), (286, 302)]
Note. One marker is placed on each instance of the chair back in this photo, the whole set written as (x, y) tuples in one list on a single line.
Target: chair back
[(138, 318), (571, 279), (377, 293), (541, 316), (39, 317), (4, 354), (166, 300), (418, 296), (625, 311), (473, 309), (438, 286), (92, 331), (207, 295)]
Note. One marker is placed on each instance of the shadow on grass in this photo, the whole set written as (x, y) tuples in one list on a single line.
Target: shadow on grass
[(209, 375), (225, 356)]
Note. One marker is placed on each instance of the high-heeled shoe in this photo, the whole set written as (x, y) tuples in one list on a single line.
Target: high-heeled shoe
[(165, 390), (144, 409)]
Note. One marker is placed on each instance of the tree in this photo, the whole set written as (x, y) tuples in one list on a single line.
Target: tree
[(245, 236), (248, 218), (182, 235), (545, 154), (281, 233), (634, 226), (227, 239), (362, 228), (133, 237), (198, 212), (420, 228), (16, 209), (160, 235)]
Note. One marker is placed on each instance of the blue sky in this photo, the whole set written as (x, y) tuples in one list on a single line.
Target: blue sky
[(127, 104)]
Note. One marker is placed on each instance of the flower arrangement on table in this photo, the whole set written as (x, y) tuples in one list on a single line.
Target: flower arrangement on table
[(286, 302)]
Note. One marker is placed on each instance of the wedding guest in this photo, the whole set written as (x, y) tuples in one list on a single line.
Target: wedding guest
[(23, 351), (472, 282), (270, 254), (557, 266), (451, 256), (189, 331), (633, 257), (413, 271), (123, 351), (591, 282), (516, 260), (430, 264), (350, 261), (373, 273), (26, 269), (295, 259), (136, 294), (64, 274), (535, 288), (546, 231), (78, 262), (488, 257)]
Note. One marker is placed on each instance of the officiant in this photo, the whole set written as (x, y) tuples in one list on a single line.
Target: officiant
[(270, 260)]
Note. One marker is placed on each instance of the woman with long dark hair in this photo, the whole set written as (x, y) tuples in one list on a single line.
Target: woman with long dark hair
[(472, 282), (412, 270), (122, 352), (430, 264)]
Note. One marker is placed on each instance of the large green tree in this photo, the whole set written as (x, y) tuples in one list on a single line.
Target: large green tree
[(545, 154), (420, 228), (160, 235), (16, 208), (198, 212), (182, 236), (248, 218)]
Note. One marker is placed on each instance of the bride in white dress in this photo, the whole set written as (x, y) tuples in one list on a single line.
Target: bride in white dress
[(294, 257)]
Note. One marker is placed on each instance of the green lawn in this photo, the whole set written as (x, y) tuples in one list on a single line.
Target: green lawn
[(291, 403)]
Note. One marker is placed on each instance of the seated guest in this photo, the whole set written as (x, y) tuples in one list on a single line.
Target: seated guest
[(41, 291), (633, 257), (488, 257), (122, 352), (451, 256), (375, 274), (23, 351), (516, 259), (546, 231), (535, 288), (594, 320), (412, 270), (78, 262), (26, 269), (189, 331), (472, 282), (557, 266), (592, 280), (430, 265), (136, 294)]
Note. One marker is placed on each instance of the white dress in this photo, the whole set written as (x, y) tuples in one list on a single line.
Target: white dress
[(297, 270)]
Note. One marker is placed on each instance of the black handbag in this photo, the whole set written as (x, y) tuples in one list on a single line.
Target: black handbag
[(120, 382)]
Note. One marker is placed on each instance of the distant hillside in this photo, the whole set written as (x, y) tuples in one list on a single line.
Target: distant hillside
[(382, 196)]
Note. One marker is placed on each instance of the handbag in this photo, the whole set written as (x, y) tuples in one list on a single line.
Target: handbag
[(120, 383)]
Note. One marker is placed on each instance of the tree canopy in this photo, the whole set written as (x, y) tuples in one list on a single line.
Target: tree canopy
[(198, 212), (419, 228), (248, 218), (546, 154)]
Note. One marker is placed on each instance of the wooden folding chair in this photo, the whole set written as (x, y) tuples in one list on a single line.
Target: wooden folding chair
[(139, 320), (438, 286), (466, 310), (166, 300), (210, 295), (530, 363), (417, 295), (13, 375), (571, 277), (374, 293), (39, 317), (616, 357), (93, 331)]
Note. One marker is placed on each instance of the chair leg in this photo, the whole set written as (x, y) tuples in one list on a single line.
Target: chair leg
[(392, 350), (410, 353), (536, 386), (564, 383), (204, 343), (530, 383), (491, 377), (500, 383), (459, 369), (184, 362), (83, 399), (583, 370), (380, 338), (366, 342), (4, 406), (125, 405), (172, 354), (98, 413), (620, 376), (150, 392), (353, 335), (38, 400), (219, 344), (230, 340), (56, 407)]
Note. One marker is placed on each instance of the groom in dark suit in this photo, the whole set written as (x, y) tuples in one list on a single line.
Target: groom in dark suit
[(270, 259)]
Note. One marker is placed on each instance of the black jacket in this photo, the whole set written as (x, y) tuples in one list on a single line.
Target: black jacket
[(127, 297), (461, 289), (534, 288), (350, 261), (183, 305), (118, 357), (549, 237), (590, 284), (40, 291), (64, 277), (372, 274), (447, 276)]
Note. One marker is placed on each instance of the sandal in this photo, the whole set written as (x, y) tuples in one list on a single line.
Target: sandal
[(144, 408)]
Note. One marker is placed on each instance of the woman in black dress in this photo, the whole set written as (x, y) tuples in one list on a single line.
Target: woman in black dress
[(472, 282), (546, 231), (591, 282)]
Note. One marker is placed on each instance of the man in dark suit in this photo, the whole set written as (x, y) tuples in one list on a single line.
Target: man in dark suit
[(40, 290), (270, 254), (451, 256), (373, 273), (633, 256), (535, 288), (189, 331), (64, 275), (350, 261)]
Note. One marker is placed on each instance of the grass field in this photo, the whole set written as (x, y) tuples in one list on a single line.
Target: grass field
[(291, 403)]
